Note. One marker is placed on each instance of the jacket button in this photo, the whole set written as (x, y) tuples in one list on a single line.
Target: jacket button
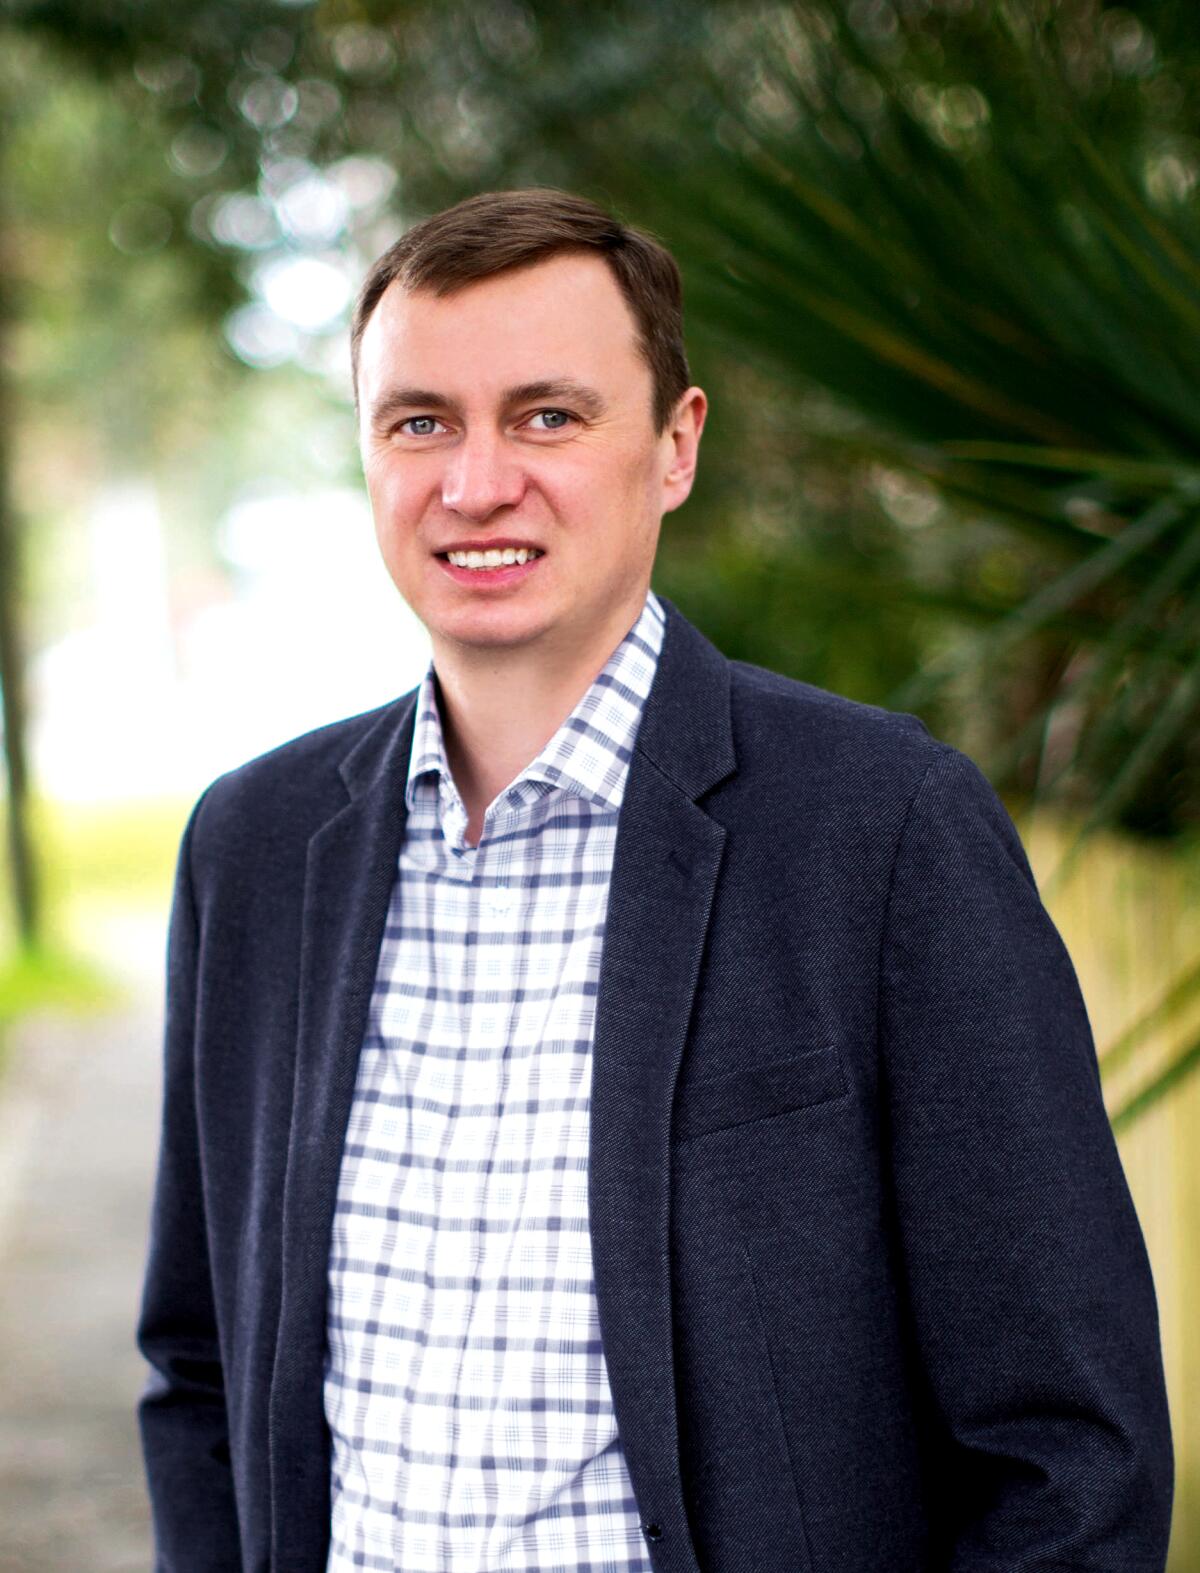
[(652, 1531)]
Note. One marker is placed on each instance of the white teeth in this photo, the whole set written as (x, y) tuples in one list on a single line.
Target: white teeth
[(494, 557)]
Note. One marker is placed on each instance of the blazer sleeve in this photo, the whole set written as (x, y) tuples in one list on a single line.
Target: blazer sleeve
[(1028, 1281), (182, 1415)]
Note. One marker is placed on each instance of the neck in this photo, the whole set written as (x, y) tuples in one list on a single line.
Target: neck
[(500, 707)]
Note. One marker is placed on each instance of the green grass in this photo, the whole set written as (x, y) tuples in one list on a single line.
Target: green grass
[(95, 860), (38, 979), (33, 981), (123, 852)]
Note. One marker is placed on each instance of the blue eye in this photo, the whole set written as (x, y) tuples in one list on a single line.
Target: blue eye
[(552, 420), (419, 425)]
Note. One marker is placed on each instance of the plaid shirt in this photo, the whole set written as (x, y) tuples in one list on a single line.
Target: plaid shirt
[(466, 1389)]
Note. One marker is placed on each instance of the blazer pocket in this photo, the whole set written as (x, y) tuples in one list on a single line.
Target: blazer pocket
[(716, 1103)]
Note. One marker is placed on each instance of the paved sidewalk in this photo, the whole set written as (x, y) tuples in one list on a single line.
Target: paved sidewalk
[(78, 1131)]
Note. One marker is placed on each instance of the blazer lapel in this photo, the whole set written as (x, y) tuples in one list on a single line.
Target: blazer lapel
[(348, 882), (665, 870)]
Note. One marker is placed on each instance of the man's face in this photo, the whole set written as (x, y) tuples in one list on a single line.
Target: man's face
[(515, 416)]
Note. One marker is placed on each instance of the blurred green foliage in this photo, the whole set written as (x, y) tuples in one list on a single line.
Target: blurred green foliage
[(941, 271)]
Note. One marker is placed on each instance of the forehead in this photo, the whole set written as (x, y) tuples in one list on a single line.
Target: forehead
[(565, 317)]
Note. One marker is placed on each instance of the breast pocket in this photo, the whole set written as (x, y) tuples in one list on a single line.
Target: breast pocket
[(717, 1103)]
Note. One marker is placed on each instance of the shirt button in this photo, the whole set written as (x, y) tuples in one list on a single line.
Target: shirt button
[(500, 899), (652, 1531)]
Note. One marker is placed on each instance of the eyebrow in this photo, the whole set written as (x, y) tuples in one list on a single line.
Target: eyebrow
[(567, 389)]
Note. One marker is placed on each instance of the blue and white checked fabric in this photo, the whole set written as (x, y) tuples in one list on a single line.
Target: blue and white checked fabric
[(465, 1387)]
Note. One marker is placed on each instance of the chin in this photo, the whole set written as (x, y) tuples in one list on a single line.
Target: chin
[(494, 628)]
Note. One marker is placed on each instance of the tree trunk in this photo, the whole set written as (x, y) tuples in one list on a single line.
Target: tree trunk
[(22, 869)]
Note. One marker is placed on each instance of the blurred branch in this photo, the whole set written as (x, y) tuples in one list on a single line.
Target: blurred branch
[(1122, 1048), (1180, 1067)]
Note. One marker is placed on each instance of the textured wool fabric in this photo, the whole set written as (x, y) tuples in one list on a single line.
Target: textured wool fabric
[(465, 1389), (872, 1293)]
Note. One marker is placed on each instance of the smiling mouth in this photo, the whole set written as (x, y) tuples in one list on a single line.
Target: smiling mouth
[(493, 557)]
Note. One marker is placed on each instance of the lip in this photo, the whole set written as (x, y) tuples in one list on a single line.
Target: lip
[(488, 578)]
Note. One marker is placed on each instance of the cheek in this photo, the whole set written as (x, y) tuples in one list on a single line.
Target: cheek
[(398, 493), (597, 485)]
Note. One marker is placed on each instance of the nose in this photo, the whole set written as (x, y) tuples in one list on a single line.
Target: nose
[(480, 477)]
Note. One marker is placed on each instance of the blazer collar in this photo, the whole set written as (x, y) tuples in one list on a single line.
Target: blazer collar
[(687, 727), (686, 730), (383, 750)]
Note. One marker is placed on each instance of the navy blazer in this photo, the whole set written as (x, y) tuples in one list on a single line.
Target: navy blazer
[(872, 1292)]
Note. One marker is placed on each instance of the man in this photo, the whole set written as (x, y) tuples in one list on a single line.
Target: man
[(624, 1109)]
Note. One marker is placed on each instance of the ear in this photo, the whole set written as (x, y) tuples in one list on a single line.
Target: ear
[(683, 438)]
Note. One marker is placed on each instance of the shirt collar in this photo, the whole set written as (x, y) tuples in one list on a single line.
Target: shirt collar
[(589, 754)]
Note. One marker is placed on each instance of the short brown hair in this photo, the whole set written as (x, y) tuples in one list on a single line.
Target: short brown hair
[(498, 230)]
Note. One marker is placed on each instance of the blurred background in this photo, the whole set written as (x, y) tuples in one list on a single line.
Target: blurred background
[(943, 286)]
